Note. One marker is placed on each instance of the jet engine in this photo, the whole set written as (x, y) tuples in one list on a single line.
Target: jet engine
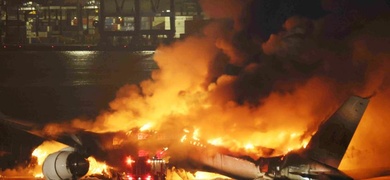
[(65, 164)]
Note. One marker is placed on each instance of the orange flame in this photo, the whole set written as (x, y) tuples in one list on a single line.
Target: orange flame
[(96, 167), (42, 151), (179, 174), (168, 106), (49, 147), (208, 175)]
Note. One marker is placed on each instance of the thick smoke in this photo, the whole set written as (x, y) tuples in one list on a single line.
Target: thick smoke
[(265, 74), (225, 9)]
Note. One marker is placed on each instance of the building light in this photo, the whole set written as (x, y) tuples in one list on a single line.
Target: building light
[(27, 8), (91, 7)]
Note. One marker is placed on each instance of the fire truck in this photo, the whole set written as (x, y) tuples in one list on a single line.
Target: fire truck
[(144, 168), (146, 165)]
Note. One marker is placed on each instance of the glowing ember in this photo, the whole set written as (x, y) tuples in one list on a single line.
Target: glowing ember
[(208, 175), (195, 135), (216, 141), (146, 127), (40, 175), (129, 161), (305, 143), (183, 138), (249, 146)]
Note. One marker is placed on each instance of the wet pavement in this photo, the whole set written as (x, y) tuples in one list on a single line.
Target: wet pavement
[(57, 86)]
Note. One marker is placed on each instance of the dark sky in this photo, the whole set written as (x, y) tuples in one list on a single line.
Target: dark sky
[(265, 17)]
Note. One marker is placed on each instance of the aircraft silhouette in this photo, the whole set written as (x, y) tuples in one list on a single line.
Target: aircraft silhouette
[(319, 160)]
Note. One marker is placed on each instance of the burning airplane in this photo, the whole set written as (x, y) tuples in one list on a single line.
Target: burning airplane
[(257, 81), (320, 159)]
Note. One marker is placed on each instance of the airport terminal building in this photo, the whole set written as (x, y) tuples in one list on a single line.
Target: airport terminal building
[(97, 22)]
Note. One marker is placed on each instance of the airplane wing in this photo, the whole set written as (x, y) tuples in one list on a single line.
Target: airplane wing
[(86, 143), (332, 139), (17, 124)]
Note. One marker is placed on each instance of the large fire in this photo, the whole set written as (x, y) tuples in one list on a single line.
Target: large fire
[(245, 87)]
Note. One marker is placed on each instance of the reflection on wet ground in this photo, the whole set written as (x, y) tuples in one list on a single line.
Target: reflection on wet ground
[(57, 85)]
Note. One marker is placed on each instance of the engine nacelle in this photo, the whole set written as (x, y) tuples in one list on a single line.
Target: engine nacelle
[(65, 164)]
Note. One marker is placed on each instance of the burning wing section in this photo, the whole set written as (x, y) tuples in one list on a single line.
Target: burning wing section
[(68, 163), (84, 142), (72, 162)]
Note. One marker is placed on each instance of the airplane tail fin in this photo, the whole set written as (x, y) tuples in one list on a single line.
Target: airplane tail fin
[(329, 144)]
